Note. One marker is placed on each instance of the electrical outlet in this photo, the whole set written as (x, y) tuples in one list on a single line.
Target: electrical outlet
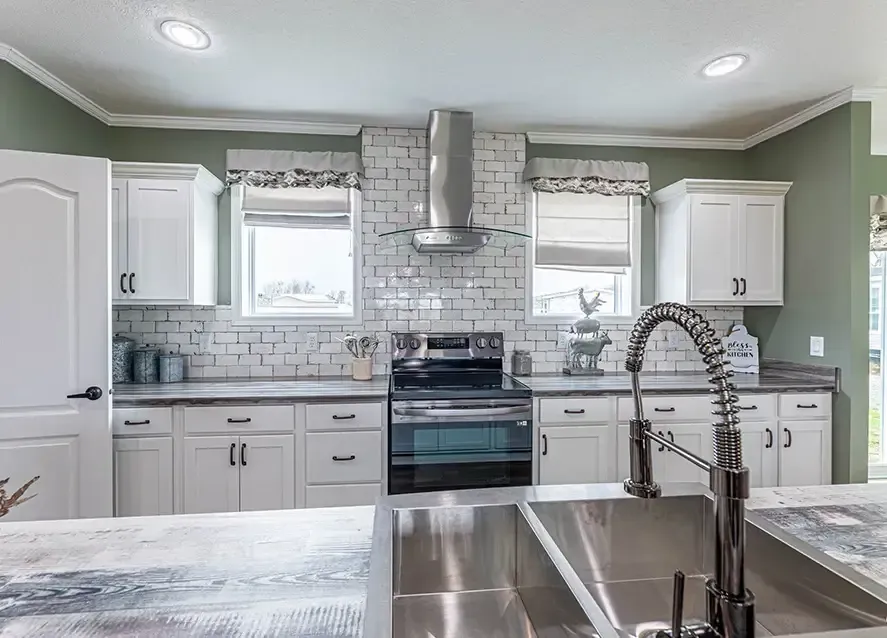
[(311, 346), (674, 339), (561, 340), (817, 346), (204, 341)]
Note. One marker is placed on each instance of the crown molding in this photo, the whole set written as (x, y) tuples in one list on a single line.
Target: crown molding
[(645, 141), (719, 186), (186, 172), (234, 124)]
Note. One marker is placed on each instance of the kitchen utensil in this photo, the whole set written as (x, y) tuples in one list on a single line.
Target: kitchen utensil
[(350, 342), (121, 359), (144, 365), (171, 368), (364, 344), (371, 350)]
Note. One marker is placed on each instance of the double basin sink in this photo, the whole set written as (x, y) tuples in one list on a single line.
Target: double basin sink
[(588, 561)]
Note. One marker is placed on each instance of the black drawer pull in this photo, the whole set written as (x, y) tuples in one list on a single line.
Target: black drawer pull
[(336, 417), (231, 454), (788, 437), (663, 410), (748, 407), (246, 420), (769, 438), (580, 411), (145, 422), (344, 458), (812, 406), (243, 454)]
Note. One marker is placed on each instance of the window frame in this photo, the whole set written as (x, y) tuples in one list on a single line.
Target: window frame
[(635, 235), (242, 273)]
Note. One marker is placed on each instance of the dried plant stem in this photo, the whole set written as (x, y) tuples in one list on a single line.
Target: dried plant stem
[(7, 503)]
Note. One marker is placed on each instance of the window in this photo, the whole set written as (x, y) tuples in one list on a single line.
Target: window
[(553, 292), (874, 305), (296, 252)]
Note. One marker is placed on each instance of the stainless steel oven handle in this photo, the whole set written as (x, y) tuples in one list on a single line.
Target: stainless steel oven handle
[(481, 412)]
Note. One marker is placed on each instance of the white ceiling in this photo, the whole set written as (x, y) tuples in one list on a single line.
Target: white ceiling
[(618, 67)]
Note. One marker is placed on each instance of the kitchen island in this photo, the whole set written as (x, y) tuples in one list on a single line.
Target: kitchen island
[(296, 572)]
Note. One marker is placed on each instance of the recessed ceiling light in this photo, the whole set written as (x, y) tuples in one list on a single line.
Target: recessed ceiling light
[(184, 34), (724, 65)]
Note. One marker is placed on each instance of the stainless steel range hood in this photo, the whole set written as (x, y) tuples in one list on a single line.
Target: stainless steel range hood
[(450, 190)]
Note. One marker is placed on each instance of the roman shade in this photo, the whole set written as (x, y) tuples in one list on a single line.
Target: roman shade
[(556, 175), (293, 169), (878, 223), (328, 207)]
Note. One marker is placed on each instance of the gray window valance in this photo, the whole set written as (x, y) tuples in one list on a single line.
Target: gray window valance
[(293, 169), (554, 175), (878, 222)]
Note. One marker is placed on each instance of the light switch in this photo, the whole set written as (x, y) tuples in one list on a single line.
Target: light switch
[(817, 346)]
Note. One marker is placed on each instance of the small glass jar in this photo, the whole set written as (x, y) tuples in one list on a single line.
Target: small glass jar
[(521, 363)]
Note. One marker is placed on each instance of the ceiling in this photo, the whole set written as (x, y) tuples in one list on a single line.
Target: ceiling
[(596, 66)]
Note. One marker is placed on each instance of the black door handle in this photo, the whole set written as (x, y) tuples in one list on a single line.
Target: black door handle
[(344, 458), (544, 444), (123, 283), (131, 277), (735, 286), (336, 417), (93, 393), (663, 409), (788, 434), (231, 454), (661, 447), (769, 438), (671, 436), (742, 279), (243, 454)]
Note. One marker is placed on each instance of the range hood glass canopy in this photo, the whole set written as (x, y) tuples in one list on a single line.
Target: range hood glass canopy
[(450, 239)]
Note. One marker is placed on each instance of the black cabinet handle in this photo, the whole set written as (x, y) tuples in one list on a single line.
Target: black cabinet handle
[(231, 454), (123, 283), (663, 409), (544, 444), (769, 438), (748, 407), (742, 279), (145, 422), (812, 406), (132, 276), (788, 439), (246, 420), (336, 417), (243, 454), (581, 411), (341, 458), (671, 436), (735, 286), (93, 393), (661, 447)]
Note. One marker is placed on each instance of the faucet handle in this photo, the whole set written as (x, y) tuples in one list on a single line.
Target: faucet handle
[(677, 605)]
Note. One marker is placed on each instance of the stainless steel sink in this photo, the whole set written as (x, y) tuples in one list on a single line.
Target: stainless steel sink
[(465, 572), (625, 551)]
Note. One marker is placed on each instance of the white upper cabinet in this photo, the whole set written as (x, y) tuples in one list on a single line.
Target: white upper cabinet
[(165, 229), (720, 242)]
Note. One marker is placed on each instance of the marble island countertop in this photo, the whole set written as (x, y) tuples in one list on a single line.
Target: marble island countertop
[(292, 573)]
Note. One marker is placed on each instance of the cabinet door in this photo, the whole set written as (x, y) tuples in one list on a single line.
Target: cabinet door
[(759, 452), (119, 267), (804, 453), (714, 228), (761, 248), (695, 438), (576, 454), (159, 220), (143, 476), (212, 474), (267, 472)]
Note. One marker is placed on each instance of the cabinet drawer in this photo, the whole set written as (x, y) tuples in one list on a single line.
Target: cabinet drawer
[(668, 409), (342, 495), (141, 421), (253, 418), (757, 407), (574, 409), (343, 416), (359, 454), (804, 406)]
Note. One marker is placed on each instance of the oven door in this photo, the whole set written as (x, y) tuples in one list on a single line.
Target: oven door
[(459, 444)]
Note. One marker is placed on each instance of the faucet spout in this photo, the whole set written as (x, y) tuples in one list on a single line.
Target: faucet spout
[(730, 604)]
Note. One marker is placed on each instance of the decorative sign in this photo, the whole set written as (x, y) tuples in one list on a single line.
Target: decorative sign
[(742, 350)]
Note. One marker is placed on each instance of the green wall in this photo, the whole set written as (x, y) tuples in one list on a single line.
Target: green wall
[(209, 148), (667, 165), (33, 118), (826, 257), (878, 175)]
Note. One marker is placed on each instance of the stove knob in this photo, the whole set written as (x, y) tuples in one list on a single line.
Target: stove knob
[(481, 342), (414, 344), (401, 344), (495, 342)]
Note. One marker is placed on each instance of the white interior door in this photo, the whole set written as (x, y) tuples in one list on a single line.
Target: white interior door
[(159, 218), (267, 473), (714, 228), (55, 327), (119, 233), (761, 247)]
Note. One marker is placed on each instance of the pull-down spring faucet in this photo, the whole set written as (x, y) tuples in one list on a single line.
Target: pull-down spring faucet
[(730, 606)]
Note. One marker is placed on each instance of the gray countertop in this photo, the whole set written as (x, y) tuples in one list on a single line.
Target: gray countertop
[(292, 573)]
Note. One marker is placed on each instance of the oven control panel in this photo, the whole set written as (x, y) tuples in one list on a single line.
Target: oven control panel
[(447, 345)]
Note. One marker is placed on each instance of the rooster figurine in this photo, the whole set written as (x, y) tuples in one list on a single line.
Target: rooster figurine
[(588, 307)]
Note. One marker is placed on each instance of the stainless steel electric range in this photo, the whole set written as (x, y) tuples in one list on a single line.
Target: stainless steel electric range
[(456, 420)]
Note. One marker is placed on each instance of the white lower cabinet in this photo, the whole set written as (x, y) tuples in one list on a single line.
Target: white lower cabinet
[(575, 454), (759, 453), (143, 476), (342, 495), (668, 467), (804, 453), (267, 473)]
